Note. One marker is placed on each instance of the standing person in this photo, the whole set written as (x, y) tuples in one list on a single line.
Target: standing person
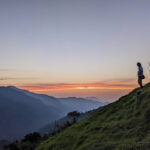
[(140, 74)]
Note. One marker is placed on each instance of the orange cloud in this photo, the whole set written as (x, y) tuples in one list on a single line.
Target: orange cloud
[(111, 84)]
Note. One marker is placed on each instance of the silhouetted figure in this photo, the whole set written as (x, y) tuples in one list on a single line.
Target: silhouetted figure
[(140, 74)]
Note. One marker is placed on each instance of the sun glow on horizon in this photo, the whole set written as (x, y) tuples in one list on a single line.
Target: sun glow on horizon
[(103, 93), (91, 86)]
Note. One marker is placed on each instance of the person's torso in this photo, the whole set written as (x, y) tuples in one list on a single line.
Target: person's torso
[(140, 71)]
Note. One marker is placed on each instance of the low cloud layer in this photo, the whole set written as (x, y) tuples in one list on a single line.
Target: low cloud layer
[(111, 84), (4, 79)]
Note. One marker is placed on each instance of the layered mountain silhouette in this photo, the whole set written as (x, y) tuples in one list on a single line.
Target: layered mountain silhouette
[(122, 125), (22, 112)]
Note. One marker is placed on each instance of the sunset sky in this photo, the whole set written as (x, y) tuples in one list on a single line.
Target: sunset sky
[(83, 48)]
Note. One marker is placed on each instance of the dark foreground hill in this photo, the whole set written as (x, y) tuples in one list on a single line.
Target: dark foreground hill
[(122, 125)]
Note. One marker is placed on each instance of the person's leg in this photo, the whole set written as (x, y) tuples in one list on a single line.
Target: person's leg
[(140, 82)]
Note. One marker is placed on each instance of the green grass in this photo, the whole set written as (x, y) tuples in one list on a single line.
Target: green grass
[(122, 125)]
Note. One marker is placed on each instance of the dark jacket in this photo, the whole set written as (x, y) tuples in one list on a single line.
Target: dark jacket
[(140, 71)]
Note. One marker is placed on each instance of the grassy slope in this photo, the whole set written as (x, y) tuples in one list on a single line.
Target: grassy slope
[(124, 124)]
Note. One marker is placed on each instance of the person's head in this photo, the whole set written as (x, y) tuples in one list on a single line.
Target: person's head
[(139, 64)]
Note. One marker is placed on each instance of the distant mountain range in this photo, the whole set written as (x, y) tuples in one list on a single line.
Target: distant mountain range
[(22, 112)]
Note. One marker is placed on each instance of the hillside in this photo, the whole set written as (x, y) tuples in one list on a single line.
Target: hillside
[(57, 125), (122, 125)]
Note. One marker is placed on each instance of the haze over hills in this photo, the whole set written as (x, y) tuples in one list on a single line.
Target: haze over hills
[(22, 112)]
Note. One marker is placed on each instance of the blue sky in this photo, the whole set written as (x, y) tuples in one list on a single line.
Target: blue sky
[(73, 41)]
